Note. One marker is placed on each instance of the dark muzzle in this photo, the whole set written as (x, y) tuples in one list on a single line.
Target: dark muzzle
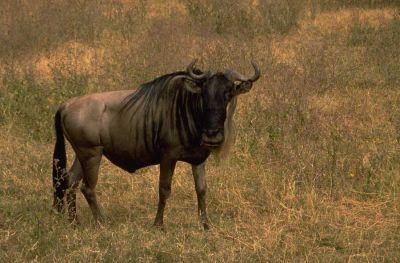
[(212, 137)]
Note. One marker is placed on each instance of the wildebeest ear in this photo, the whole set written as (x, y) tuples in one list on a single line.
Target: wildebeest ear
[(243, 87), (191, 85)]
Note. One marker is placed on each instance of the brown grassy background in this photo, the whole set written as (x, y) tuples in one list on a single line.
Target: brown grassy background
[(314, 174)]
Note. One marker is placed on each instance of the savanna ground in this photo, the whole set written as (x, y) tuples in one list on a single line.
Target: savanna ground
[(313, 176)]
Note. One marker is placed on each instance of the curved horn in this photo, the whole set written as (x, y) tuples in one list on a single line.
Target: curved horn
[(189, 70), (233, 76), (257, 72)]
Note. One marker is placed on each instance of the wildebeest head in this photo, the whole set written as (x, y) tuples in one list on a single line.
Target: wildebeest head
[(216, 91)]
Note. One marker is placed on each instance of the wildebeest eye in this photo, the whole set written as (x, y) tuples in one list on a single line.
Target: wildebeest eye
[(237, 82)]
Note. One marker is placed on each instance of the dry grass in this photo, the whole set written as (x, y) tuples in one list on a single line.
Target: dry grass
[(314, 174)]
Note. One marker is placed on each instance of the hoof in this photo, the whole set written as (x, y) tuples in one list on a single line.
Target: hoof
[(58, 206), (100, 220), (55, 211), (159, 226), (100, 224), (74, 222)]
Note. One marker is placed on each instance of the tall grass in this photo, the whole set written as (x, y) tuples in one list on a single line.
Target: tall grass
[(35, 26), (339, 4), (30, 106), (227, 17)]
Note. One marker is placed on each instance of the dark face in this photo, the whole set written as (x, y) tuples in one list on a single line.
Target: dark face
[(216, 93)]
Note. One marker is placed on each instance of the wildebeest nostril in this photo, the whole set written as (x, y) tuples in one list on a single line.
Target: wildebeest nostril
[(212, 132)]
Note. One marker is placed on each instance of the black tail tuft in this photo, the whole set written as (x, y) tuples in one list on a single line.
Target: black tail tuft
[(60, 180)]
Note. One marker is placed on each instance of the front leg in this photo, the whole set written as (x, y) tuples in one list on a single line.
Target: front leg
[(167, 168), (201, 188)]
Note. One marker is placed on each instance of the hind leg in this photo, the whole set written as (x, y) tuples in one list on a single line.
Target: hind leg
[(90, 161), (60, 185), (74, 177)]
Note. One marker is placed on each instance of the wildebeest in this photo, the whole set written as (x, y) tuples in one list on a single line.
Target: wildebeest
[(181, 116)]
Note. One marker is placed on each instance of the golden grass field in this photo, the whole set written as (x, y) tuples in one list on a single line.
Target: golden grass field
[(314, 175)]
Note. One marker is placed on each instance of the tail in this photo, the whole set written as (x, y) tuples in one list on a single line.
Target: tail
[(60, 180)]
